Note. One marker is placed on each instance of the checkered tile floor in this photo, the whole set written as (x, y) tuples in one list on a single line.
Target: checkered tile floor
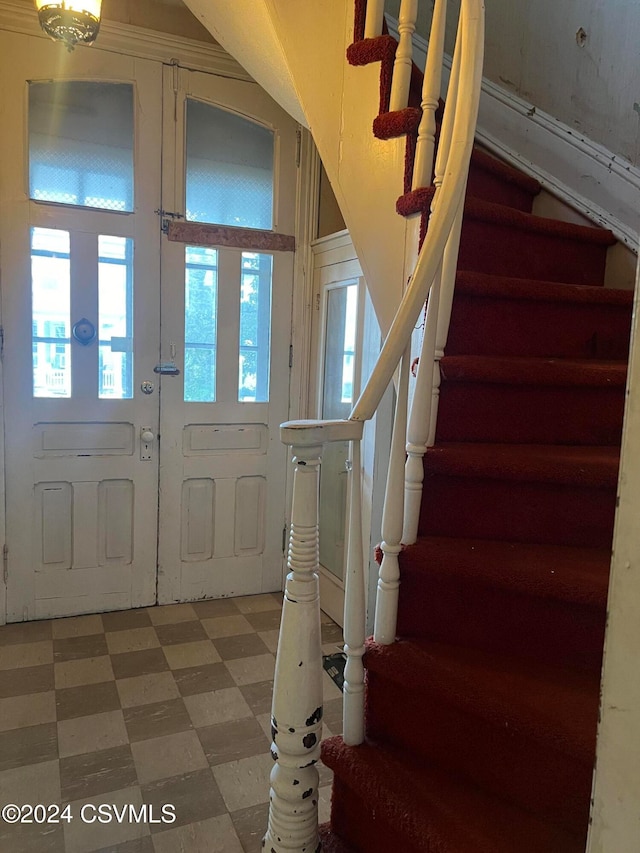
[(164, 705)]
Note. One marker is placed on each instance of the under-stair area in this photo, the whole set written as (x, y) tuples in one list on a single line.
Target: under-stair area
[(481, 719)]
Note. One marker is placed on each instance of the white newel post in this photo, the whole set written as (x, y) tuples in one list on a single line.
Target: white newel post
[(392, 517), (354, 611), (296, 719)]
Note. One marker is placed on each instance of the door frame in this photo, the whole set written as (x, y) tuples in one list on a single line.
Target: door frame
[(169, 49), (334, 259)]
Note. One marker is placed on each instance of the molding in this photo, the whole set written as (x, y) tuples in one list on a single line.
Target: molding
[(20, 17), (580, 172)]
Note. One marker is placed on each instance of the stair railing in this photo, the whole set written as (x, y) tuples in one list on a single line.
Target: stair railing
[(296, 722)]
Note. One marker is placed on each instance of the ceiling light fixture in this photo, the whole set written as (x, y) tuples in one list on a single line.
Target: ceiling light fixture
[(70, 21)]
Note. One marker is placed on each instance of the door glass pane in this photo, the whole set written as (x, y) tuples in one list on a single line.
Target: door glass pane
[(115, 317), (51, 304), (255, 328), (200, 324), (81, 144), (229, 168)]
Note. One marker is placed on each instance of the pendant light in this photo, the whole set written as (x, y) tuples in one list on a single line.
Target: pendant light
[(70, 21)]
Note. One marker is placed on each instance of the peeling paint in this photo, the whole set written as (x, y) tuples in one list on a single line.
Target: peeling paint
[(309, 740), (315, 717), (307, 794)]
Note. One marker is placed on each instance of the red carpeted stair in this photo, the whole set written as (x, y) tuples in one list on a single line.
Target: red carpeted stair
[(481, 719)]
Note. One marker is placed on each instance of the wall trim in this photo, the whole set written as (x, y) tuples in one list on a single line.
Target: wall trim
[(20, 17), (580, 172)]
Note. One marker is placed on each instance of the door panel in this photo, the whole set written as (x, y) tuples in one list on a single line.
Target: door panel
[(81, 502), (223, 468)]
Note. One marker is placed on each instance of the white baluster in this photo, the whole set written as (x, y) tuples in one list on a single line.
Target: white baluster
[(373, 20), (296, 720), (449, 267), (392, 517), (354, 611), (402, 65), (420, 418), (425, 146)]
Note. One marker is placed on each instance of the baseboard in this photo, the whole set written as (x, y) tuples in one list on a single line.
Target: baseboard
[(582, 173)]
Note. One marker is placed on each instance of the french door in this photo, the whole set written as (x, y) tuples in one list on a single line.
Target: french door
[(127, 444)]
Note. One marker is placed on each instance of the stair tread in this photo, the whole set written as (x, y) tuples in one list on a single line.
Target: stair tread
[(560, 464), (425, 806), (485, 284), (332, 843), (488, 211), (555, 706), (488, 163), (563, 572), (534, 371)]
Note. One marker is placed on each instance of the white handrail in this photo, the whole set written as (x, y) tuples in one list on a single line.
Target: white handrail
[(298, 679)]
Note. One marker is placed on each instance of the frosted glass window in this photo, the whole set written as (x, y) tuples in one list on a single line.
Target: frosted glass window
[(81, 144), (200, 324), (229, 168), (255, 328), (51, 312), (115, 317)]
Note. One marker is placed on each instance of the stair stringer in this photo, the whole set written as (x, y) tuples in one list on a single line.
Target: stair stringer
[(296, 51)]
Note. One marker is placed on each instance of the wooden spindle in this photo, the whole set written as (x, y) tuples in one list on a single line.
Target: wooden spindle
[(431, 84), (354, 611), (373, 19), (402, 65), (420, 418), (392, 517)]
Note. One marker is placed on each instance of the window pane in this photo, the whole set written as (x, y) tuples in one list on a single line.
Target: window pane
[(200, 324), (342, 305), (115, 317), (255, 328), (51, 304), (81, 144), (229, 168)]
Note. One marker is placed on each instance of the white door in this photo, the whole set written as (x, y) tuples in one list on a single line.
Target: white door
[(226, 323), (85, 375), (80, 266)]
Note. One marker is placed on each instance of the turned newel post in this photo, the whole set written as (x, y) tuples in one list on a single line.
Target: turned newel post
[(296, 719)]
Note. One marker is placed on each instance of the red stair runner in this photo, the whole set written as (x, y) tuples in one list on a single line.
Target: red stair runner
[(481, 719)]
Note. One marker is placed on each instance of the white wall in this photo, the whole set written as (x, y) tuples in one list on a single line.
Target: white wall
[(531, 50), (615, 824)]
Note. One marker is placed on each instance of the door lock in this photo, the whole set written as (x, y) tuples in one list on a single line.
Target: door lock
[(147, 439)]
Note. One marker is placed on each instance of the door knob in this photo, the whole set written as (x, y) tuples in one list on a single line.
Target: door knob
[(146, 435)]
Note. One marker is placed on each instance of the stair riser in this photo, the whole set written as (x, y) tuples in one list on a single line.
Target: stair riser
[(489, 187), (492, 326), (512, 511), (360, 825), (502, 250), (552, 786), (460, 613), (521, 414)]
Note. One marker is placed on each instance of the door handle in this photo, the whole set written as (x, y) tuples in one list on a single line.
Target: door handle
[(146, 435)]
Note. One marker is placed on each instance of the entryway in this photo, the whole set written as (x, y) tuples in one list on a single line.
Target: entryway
[(146, 352)]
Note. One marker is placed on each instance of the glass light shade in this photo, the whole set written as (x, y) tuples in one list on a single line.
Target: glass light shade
[(70, 21)]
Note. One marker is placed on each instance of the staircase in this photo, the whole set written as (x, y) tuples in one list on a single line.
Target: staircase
[(480, 721)]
